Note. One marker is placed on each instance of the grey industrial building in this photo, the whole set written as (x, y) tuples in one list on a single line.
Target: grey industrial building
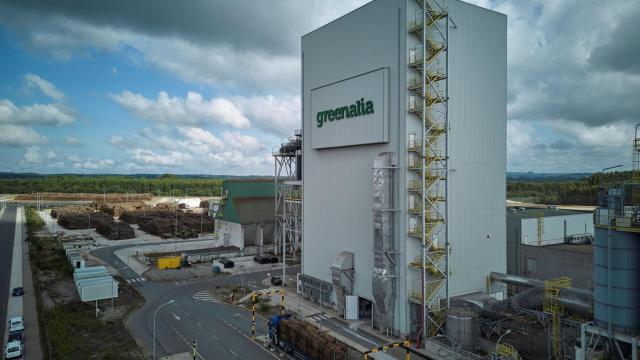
[(548, 243), (404, 149)]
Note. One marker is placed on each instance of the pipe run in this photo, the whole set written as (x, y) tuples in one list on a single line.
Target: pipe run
[(574, 300)]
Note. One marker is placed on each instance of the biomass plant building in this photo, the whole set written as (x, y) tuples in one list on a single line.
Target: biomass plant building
[(404, 149)]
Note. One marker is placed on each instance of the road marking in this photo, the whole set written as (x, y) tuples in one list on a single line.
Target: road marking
[(176, 316), (231, 351), (128, 281), (249, 338), (199, 324), (142, 279), (204, 296), (132, 280), (214, 337)]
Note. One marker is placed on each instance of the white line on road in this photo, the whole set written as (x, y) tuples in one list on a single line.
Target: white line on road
[(214, 337), (234, 354), (176, 316)]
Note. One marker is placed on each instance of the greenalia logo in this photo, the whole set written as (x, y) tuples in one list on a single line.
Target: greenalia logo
[(360, 108)]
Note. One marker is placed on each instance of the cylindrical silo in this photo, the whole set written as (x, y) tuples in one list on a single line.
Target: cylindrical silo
[(621, 303), (462, 328)]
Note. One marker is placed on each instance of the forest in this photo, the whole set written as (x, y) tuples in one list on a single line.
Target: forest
[(559, 190), (159, 185), (570, 192)]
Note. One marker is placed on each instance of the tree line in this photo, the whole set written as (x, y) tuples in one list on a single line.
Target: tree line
[(575, 192), (164, 185)]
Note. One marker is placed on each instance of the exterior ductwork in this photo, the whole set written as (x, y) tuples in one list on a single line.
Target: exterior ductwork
[(342, 277), (515, 280), (574, 300), (384, 250)]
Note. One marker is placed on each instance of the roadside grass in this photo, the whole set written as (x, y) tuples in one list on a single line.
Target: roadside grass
[(69, 328), (264, 306)]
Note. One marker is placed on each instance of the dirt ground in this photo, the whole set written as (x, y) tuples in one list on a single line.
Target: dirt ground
[(62, 312)]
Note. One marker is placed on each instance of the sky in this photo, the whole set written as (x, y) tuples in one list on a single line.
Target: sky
[(211, 86)]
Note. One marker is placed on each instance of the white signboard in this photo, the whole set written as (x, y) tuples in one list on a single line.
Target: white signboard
[(354, 111)]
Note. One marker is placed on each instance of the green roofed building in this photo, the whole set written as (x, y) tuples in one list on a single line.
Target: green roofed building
[(246, 208)]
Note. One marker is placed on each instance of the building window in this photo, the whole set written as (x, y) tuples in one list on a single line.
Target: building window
[(531, 265)]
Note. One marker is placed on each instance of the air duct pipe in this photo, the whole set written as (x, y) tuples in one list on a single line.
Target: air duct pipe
[(574, 300)]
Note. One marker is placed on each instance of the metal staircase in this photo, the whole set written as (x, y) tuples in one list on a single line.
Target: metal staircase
[(428, 155)]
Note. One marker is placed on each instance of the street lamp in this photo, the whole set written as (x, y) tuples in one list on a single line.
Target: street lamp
[(154, 325), (500, 338)]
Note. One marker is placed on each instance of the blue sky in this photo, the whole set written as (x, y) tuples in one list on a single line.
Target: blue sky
[(110, 87)]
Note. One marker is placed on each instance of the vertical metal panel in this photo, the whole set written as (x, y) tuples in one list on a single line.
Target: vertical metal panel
[(477, 145), (617, 295)]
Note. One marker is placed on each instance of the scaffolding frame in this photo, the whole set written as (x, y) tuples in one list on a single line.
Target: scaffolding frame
[(552, 306), (288, 196), (428, 220)]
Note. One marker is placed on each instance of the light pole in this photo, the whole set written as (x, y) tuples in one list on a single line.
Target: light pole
[(154, 325), (500, 338)]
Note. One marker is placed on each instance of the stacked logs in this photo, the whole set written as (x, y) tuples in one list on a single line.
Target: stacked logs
[(115, 230), (116, 209), (163, 223), (76, 220), (312, 341)]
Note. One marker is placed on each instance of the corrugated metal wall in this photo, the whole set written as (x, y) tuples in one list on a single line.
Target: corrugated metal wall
[(477, 145)]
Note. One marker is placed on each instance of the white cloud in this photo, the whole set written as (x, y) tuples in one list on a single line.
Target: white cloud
[(242, 143), (116, 141), (197, 150), (200, 137), (94, 164), (612, 134), (170, 158), (279, 115), (19, 135), (37, 113), (193, 109), (73, 141), (47, 88), (32, 155)]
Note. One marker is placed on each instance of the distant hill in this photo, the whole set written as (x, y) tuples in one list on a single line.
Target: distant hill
[(531, 176), (14, 175)]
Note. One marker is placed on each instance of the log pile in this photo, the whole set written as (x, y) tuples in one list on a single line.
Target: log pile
[(57, 212), (116, 209), (163, 223), (82, 220), (113, 198), (115, 230), (311, 340)]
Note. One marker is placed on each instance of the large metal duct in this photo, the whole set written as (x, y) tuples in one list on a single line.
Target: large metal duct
[(384, 272), (515, 280), (342, 277), (574, 300)]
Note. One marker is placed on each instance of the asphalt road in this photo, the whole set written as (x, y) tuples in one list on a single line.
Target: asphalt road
[(222, 331), (7, 232)]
